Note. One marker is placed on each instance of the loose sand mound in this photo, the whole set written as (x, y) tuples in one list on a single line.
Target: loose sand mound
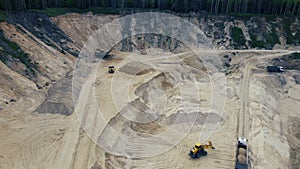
[(136, 68), (59, 98)]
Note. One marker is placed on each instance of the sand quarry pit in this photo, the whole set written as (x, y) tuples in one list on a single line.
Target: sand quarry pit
[(152, 110), (155, 107)]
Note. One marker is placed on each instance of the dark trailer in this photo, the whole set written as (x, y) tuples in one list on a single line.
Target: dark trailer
[(275, 68)]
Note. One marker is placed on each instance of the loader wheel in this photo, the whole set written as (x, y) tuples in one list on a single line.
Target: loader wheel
[(204, 153), (198, 155)]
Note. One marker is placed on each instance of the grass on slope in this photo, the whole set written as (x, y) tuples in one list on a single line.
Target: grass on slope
[(18, 54), (294, 56), (270, 40), (237, 37), (2, 16)]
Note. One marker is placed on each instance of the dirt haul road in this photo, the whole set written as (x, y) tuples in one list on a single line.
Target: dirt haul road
[(262, 112), (250, 63), (245, 122)]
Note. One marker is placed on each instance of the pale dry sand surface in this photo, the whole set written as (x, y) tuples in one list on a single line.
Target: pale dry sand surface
[(127, 100)]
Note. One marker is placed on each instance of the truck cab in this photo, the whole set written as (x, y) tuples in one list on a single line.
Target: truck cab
[(281, 68), (243, 141), (242, 159)]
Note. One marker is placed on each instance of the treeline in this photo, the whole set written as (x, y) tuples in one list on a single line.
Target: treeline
[(268, 7)]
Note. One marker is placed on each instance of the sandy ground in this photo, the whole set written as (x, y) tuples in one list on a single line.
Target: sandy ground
[(257, 106), (151, 111)]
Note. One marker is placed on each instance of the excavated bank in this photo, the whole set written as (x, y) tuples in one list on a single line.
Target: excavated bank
[(59, 98)]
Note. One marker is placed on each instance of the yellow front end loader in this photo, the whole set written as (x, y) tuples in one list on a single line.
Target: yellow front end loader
[(199, 150)]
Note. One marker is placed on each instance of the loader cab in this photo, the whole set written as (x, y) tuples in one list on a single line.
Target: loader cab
[(198, 146), (111, 69)]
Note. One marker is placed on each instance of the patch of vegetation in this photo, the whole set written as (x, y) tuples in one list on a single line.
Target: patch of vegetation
[(52, 12), (272, 38), (11, 44), (297, 37), (287, 22), (237, 37), (249, 15), (270, 18), (18, 55), (243, 16), (256, 43), (101, 10), (2, 16), (294, 56)]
